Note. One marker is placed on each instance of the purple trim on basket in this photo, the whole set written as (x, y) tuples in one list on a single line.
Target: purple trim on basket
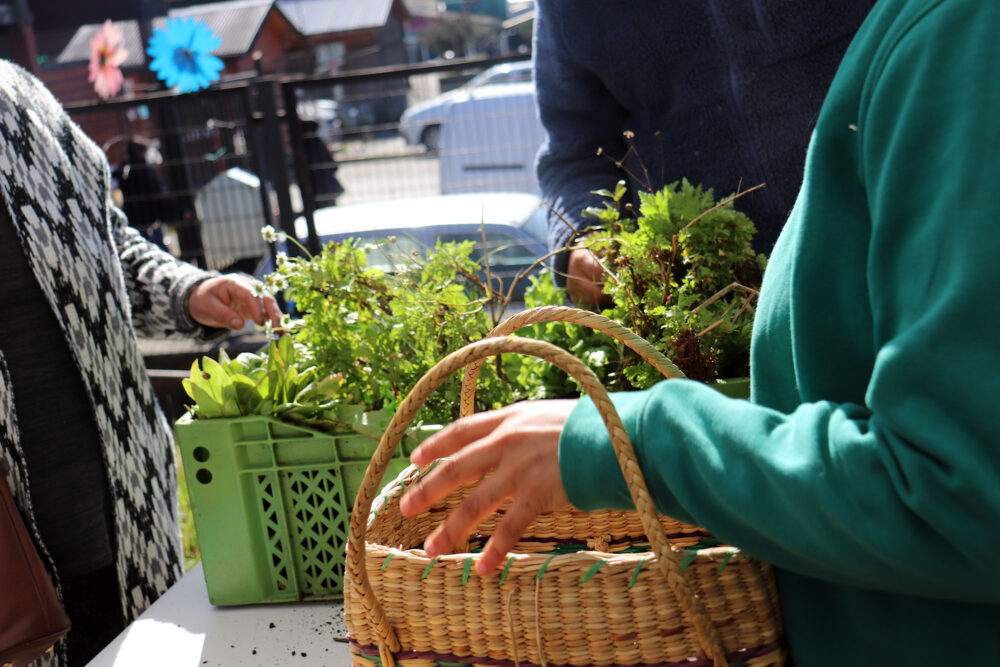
[(741, 655), (701, 534)]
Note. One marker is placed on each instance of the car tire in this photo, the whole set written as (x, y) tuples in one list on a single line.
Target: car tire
[(431, 138)]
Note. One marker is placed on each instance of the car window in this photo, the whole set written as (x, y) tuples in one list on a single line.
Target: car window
[(513, 75), (501, 77), (537, 224), (479, 79), (521, 75), (381, 254), (504, 249)]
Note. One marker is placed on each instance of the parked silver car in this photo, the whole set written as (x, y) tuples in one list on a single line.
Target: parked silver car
[(514, 223), (421, 123)]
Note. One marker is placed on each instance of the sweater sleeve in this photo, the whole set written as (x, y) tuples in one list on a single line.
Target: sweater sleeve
[(579, 115), (158, 284), (900, 494)]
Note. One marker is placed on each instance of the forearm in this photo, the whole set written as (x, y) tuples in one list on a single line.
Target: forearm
[(159, 286), (828, 491)]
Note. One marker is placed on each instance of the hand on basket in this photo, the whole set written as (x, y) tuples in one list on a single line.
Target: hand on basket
[(519, 445), (227, 302)]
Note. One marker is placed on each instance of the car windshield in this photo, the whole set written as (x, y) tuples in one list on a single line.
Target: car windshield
[(384, 255), (502, 75), (504, 249), (537, 224)]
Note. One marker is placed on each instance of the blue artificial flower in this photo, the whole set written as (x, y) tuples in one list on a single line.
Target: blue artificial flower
[(182, 54)]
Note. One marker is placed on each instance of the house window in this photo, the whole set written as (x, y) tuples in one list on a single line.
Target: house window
[(330, 57)]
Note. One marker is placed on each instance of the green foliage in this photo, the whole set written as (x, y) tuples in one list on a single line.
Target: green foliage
[(364, 337), (682, 275), (601, 353), (267, 383)]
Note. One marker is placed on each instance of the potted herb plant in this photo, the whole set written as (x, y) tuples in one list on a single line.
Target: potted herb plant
[(680, 273)]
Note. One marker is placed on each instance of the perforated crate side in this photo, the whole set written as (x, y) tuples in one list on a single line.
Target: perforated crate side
[(271, 502)]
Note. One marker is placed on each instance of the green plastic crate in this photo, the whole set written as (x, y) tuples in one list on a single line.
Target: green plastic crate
[(272, 500)]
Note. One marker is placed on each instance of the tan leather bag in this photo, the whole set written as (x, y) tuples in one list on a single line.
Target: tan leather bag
[(31, 617)]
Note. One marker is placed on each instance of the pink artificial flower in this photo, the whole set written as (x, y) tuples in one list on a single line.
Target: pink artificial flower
[(107, 53)]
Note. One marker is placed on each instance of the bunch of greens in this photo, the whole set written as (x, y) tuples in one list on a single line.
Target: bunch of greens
[(601, 353), (681, 274), (378, 332), (266, 383)]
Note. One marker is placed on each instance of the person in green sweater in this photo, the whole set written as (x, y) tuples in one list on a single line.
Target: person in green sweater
[(866, 466)]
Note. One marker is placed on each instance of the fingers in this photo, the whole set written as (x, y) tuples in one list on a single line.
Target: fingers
[(515, 522), (271, 311), (584, 278), (485, 500), (242, 299), (456, 436), (211, 311), (584, 293), (229, 301), (519, 445), (450, 474)]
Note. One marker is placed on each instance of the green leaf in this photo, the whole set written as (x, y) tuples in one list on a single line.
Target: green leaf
[(247, 396), (208, 405), (217, 378), (286, 349)]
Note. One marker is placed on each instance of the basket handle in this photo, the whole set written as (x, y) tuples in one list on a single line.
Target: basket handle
[(596, 321), (668, 561)]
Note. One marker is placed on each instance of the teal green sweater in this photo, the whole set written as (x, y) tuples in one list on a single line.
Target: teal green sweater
[(867, 466)]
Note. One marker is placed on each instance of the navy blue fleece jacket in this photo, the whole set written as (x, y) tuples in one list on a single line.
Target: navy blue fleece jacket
[(722, 93)]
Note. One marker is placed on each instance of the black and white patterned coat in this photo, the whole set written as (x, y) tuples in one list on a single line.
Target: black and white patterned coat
[(106, 284)]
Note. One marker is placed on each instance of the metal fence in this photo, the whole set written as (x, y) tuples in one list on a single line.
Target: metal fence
[(201, 173)]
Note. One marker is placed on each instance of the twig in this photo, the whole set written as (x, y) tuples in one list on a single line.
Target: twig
[(620, 163), (722, 203), (716, 323), (723, 292), (743, 307), (486, 263), (629, 136)]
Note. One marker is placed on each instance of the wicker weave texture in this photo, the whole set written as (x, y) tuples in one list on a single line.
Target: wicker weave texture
[(663, 606), (554, 619)]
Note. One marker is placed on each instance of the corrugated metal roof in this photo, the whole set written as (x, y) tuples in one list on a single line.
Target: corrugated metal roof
[(423, 8), (318, 17), (78, 47), (237, 22)]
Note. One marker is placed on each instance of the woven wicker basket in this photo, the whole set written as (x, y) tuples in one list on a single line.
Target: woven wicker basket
[(598, 588)]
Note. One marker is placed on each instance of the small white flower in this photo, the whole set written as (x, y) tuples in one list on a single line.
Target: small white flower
[(286, 322), (280, 258), (259, 290), (275, 282), (270, 234)]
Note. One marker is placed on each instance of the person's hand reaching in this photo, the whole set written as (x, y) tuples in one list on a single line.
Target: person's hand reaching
[(227, 302), (584, 279), (519, 445)]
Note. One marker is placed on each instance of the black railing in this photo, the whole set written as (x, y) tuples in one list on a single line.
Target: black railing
[(272, 150)]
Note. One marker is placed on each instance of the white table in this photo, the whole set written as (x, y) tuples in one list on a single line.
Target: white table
[(183, 629)]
